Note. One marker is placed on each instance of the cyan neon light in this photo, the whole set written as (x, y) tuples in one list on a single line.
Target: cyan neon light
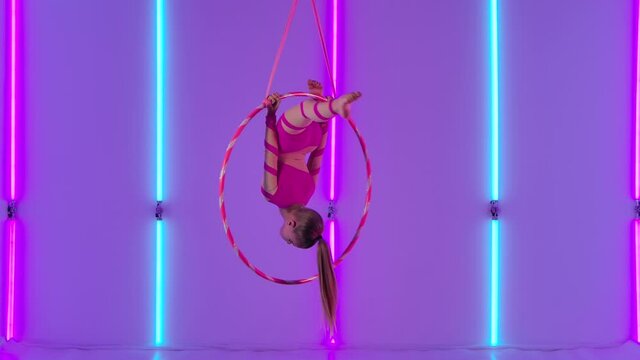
[(494, 100), (159, 97), (160, 266), (495, 235), (10, 330), (159, 335), (495, 278)]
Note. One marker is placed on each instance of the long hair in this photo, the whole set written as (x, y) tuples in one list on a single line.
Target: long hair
[(328, 287), (309, 232)]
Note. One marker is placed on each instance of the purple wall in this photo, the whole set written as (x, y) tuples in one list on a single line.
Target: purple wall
[(420, 274)]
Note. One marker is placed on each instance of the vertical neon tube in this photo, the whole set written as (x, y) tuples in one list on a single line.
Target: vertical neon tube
[(159, 268), (12, 225), (494, 100), (637, 109), (334, 70), (11, 283), (13, 99), (159, 96), (495, 277), (334, 74), (636, 236), (637, 176), (159, 330), (495, 234), (334, 61)]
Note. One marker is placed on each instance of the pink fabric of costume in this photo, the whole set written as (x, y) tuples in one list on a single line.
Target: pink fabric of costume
[(295, 186)]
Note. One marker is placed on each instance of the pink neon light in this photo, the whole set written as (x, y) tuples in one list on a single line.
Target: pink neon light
[(12, 224), (335, 43), (332, 193), (637, 129), (334, 72), (332, 239), (13, 99), (12, 277), (637, 245), (637, 173)]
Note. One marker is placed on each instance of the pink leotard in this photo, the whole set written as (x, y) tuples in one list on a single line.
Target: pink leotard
[(295, 186)]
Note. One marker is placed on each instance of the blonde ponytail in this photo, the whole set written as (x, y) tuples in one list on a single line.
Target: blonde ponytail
[(328, 287)]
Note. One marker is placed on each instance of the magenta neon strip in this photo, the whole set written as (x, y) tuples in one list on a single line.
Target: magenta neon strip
[(332, 235), (332, 194), (13, 99), (334, 56), (637, 176), (334, 71), (636, 236), (12, 277), (637, 109), (12, 225)]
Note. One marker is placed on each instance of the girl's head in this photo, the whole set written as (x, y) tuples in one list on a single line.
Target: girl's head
[(303, 228)]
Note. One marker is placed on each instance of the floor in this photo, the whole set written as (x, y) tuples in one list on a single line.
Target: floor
[(13, 351)]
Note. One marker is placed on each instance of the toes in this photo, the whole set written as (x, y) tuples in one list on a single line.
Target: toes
[(314, 84), (354, 96)]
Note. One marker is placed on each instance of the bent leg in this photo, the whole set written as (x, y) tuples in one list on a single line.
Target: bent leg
[(323, 111), (300, 116)]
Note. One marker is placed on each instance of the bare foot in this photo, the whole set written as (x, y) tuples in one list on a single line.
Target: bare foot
[(315, 87), (343, 104)]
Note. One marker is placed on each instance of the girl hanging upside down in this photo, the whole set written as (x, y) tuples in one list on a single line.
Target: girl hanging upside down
[(290, 179)]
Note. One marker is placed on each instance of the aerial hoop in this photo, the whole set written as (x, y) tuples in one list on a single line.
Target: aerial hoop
[(223, 211)]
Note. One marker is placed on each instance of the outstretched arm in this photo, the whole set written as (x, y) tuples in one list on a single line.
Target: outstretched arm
[(315, 158), (270, 178)]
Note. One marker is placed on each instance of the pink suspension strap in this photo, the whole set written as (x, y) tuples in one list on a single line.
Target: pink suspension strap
[(283, 40), (276, 61)]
